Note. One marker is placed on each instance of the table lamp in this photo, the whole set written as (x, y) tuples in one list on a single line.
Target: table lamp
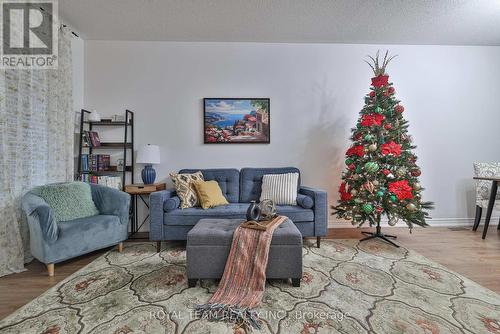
[(148, 154)]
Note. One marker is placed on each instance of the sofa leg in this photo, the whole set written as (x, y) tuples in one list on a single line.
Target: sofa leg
[(296, 282), (318, 242), (50, 269), (192, 282), (158, 246), (120, 247)]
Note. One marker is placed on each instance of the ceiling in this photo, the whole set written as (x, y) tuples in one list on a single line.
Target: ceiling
[(452, 22)]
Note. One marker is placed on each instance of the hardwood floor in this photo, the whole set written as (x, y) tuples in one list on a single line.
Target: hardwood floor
[(460, 250)]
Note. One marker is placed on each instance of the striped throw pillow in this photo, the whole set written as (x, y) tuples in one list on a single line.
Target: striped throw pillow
[(280, 188)]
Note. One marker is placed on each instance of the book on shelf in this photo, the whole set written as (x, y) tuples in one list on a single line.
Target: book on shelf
[(95, 162), (108, 181), (91, 139)]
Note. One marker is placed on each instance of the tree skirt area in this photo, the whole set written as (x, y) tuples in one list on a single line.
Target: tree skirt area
[(347, 287)]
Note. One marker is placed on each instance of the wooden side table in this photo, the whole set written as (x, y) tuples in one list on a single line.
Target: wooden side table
[(491, 203), (140, 191)]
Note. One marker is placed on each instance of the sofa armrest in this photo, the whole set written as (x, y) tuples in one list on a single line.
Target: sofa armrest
[(39, 213), (320, 209), (156, 210), (110, 201)]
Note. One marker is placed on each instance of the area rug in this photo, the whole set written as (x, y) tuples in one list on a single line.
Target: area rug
[(347, 287)]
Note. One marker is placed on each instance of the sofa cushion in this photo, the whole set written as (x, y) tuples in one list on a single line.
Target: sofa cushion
[(219, 232), (251, 181), (232, 210), (227, 178), (68, 201), (185, 189), (209, 194)]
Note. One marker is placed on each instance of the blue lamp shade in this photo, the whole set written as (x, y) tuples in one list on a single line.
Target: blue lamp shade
[(149, 155)]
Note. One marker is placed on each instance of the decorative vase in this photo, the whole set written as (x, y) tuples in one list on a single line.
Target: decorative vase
[(148, 174), (267, 210), (253, 212)]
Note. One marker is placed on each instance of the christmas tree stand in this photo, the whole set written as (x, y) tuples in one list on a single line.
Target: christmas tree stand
[(378, 234)]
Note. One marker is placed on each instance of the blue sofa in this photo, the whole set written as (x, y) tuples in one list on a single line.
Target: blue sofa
[(169, 222), (52, 242)]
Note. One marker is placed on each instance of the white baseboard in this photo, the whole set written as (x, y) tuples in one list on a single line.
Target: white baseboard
[(437, 222)]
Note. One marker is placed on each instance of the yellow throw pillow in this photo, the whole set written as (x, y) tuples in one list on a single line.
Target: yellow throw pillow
[(209, 194)]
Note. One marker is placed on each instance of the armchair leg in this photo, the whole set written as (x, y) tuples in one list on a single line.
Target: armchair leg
[(158, 246), (50, 269), (120, 247), (318, 242), (479, 211)]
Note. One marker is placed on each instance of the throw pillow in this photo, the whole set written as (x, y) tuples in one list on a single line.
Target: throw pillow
[(184, 188), (280, 188), (68, 201), (209, 194)]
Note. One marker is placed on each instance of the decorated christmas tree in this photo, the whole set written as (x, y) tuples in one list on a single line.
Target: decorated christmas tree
[(381, 177)]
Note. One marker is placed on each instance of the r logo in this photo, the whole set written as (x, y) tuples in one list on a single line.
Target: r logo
[(27, 29)]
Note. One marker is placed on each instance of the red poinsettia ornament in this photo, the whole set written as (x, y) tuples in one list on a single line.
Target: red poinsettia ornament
[(401, 189), (356, 150), (372, 119), (380, 81), (391, 148)]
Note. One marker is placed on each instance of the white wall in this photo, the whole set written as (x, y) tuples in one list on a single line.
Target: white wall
[(450, 94)]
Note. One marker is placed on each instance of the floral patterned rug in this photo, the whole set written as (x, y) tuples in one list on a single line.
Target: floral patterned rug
[(347, 287)]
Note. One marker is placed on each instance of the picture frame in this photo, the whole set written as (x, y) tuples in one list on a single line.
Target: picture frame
[(236, 120)]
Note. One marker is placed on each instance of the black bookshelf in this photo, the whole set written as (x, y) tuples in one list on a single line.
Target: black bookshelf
[(126, 145)]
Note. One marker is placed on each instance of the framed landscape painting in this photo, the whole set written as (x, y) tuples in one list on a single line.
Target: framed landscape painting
[(236, 120)]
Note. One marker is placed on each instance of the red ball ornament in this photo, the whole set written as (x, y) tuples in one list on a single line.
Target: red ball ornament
[(399, 109), (386, 94), (388, 126), (391, 90), (351, 166), (372, 94), (386, 172), (379, 210), (416, 172)]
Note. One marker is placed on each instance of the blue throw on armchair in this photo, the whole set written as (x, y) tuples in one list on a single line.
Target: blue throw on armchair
[(52, 242)]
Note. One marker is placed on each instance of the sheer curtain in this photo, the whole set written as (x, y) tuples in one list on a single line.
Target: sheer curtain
[(36, 135)]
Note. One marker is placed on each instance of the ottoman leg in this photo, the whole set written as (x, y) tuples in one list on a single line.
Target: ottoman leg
[(192, 282), (296, 282), (318, 241), (158, 246)]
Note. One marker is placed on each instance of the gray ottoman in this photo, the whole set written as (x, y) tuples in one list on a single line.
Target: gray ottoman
[(209, 242)]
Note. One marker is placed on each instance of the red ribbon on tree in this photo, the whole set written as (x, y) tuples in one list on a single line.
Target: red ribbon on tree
[(344, 195)]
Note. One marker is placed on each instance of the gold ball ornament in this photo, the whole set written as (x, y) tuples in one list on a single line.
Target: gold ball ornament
[(411, 207), (417, 186), (354, 192), (372, 147), (376, 183)]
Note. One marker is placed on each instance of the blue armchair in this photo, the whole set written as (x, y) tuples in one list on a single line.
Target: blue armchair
[(52, 241)]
